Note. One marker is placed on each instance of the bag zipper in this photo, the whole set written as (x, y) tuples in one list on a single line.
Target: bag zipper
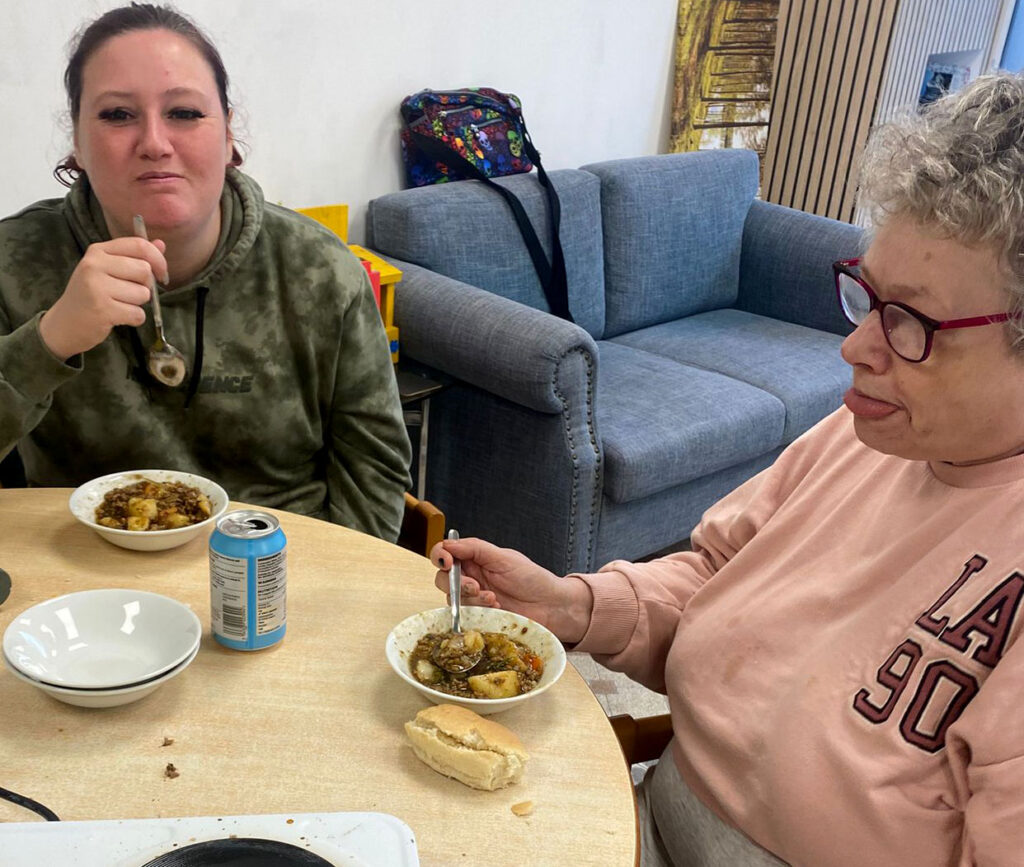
[(491, 102)]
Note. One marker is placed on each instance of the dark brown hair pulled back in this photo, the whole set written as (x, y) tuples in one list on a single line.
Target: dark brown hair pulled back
[(117, 22)]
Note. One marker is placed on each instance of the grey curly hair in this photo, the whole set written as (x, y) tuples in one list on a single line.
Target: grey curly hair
[(957, 168)]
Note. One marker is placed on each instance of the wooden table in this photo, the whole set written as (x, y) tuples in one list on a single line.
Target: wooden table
[(311, 725)]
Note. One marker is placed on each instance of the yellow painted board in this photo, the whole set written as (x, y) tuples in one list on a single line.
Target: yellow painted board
[(388, 272), (387, 303), (392, 332), (334, 217)]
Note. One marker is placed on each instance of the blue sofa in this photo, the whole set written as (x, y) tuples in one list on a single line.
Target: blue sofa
[(706, 338)]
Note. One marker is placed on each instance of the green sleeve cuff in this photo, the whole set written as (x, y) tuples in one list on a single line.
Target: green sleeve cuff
[(28, 365)]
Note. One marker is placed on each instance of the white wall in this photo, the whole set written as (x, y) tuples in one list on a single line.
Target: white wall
[(317, 84)]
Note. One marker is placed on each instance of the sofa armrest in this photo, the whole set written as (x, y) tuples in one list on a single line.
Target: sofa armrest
[(523, 408), (786, 265), (501, 346)]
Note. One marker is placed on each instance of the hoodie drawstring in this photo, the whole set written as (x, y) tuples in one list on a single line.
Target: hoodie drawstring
[(197, 365), (141, 370)]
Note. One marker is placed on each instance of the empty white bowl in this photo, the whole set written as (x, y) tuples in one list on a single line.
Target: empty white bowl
[(101, 639), (402, 641), (85, 499), (104, 697)]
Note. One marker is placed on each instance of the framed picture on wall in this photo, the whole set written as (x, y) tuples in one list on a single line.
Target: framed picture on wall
[(945, 73), (725, 51)]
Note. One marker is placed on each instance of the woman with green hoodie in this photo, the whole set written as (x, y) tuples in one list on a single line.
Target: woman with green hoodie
[(289, 400)]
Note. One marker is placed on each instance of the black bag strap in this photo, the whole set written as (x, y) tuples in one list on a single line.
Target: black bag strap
[(559, 278), (552, 275)]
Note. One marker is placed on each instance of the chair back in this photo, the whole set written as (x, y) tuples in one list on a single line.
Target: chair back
[(12, 471), (422, 526), (644, 739)]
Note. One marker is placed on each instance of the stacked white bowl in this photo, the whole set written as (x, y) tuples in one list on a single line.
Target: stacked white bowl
[(101, 648)]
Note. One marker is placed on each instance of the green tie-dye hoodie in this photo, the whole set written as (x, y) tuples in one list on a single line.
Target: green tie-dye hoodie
[(290, 401)]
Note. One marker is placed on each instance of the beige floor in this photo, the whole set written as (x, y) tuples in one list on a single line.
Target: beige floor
[(616, 692)]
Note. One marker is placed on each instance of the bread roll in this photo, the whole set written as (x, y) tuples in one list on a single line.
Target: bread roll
[(467, 747)]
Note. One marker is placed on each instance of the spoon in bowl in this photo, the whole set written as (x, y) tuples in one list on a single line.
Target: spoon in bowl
[(164, 362), (458, 651)]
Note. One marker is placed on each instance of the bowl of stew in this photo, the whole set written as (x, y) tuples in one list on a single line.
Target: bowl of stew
[(521, 659), (149, 510)]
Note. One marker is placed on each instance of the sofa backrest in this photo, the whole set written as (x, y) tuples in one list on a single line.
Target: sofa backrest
[(467, 232), (786, 267), (673, 229)]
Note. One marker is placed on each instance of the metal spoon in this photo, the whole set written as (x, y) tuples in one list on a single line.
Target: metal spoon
[(451, 653), (164, 362), (455, 586)]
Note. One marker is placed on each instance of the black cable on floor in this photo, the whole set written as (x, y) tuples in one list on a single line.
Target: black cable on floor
[(29, 804)]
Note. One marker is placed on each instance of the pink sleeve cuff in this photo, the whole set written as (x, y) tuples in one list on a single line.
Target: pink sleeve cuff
[(615, 615)]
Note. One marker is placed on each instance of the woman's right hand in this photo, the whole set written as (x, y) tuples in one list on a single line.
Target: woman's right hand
[(503, 578), (107, 288)]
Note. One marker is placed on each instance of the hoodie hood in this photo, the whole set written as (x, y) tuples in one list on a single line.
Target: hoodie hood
[(241, 210)]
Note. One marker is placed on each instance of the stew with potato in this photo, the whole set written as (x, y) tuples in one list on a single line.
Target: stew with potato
[(506, 668), (148, 505)]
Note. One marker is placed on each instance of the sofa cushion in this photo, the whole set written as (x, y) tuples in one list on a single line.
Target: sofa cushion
[(663, 423), (799, 366), (639, 528), (466, 231), (673, 231)]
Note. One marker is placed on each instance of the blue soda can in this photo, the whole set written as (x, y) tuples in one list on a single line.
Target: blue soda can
[(248, 580)]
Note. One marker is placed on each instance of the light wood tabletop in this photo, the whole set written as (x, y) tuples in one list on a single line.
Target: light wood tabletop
[(314, 724)]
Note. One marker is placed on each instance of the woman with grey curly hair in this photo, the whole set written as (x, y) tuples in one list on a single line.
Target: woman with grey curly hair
[(958, 168), (945, 191), (842, 647)]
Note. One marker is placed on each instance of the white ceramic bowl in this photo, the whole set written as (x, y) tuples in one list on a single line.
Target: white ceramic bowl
[(104, 697), (402, 641), (87, 497), (101, 639)]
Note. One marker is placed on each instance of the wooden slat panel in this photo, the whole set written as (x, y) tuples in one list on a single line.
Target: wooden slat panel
[(778, 131), (790, 130), (795, 182), (809, 167), (878, 30), (842, 66), (848, 110), (829, 63), (840, 85)]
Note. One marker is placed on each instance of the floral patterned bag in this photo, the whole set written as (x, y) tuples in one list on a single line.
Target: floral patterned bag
[(478, 133), (483, 126)]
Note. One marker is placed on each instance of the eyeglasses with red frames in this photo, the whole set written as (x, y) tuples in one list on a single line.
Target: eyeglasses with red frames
[(908, 332)]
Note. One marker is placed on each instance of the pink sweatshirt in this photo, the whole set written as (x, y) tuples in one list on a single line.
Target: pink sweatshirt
[(841, 655)]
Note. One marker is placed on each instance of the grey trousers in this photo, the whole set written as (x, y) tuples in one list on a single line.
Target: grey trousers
[(677, 830)]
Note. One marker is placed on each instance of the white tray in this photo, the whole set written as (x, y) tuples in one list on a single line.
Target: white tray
[(344, 839)]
